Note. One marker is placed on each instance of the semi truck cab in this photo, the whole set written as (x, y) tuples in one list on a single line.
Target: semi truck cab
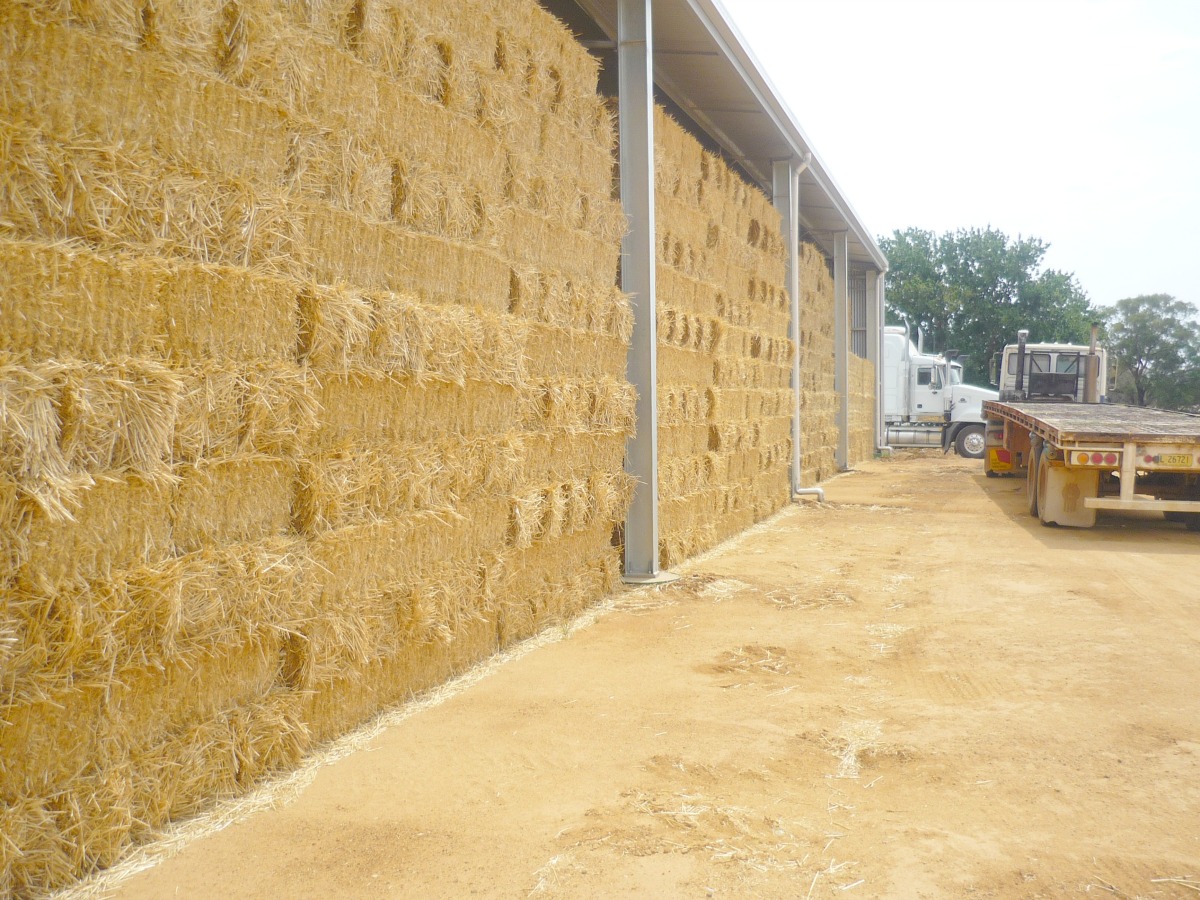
[(1024, 371), (926, 402)]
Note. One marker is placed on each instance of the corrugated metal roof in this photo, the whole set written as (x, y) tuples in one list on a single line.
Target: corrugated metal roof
[(702, 63)]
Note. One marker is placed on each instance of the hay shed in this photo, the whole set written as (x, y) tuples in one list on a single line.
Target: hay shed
[(322, 367)]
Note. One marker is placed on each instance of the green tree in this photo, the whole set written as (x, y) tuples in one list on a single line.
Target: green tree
[(1156, 342), (970, 290)]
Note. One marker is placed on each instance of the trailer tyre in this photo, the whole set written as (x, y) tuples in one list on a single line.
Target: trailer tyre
[(1043, 476), (970, 442), (1031, 475)]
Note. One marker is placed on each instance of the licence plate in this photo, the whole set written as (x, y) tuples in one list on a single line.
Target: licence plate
[(1175, 459)]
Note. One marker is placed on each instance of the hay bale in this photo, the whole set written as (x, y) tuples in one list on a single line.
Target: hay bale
[(689, 366), (227, 313), (152, 702), (553, 298), (570, 353), (360, 483), (231, 501), (228, 410), (124, 198), (118, 417), (35, 469), (35, 854), (218, 757), (48, 741), (367, 559), (70, 303), (342, 170), (380, 409), (337, 247), (546, 456), (86, 634), (397, 335), (120, 522), (51, 839), (63, 301), (579, 406), (136, 98)]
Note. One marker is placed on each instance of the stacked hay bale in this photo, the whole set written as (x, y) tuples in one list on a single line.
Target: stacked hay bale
[(818, 398), (311, 384), (862, 410), (724, 357)]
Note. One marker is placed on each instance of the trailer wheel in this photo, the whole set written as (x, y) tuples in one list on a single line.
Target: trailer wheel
[(970, 442), (1031, 474), (1043, 477)]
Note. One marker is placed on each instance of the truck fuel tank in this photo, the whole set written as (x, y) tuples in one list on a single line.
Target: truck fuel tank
[(905, 436)]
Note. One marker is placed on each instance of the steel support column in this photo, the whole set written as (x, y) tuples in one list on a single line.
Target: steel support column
[(785, 175), (881, 443), (636, 131), (874, 331), (841, 343)]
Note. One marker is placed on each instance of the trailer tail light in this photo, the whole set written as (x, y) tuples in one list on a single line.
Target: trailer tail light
[(1096, 458)]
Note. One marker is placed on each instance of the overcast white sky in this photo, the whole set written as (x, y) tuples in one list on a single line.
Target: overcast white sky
[(1073, 121)]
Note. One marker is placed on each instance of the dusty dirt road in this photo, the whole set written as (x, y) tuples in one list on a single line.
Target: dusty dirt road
[(914, 690)]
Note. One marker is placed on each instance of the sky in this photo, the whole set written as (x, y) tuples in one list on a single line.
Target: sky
[(1073, 121)]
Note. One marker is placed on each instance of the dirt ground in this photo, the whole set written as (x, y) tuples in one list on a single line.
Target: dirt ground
[(913, 690)]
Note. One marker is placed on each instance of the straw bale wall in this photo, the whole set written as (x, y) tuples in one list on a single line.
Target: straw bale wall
[(862, 410), (724, 356), (312, 384), (818, 399)]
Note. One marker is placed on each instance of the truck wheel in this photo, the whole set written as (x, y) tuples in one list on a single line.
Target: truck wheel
[(969, 442)]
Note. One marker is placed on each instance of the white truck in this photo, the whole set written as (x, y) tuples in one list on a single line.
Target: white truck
[(1080, 454), (1024, 371), (925, 403)]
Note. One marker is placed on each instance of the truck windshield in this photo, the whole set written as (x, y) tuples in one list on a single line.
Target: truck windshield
[(1067, 364), (1035, 362)]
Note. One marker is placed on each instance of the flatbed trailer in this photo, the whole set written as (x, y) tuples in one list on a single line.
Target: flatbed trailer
[(1082, 457)]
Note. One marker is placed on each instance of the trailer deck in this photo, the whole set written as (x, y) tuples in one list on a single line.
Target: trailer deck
[(1075, 423)]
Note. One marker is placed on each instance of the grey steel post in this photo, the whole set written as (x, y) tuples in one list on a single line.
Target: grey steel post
[(635, 87), (841, 346), (785, 176), (881, 443), (874, 330)]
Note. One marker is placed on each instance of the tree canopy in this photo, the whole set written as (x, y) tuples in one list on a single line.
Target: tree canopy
[(970, 290), (1155, 341)]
